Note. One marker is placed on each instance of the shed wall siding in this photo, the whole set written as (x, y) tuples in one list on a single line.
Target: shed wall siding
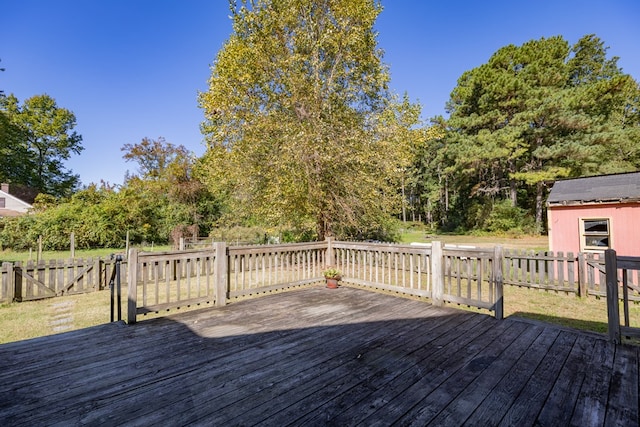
[(564, 226)]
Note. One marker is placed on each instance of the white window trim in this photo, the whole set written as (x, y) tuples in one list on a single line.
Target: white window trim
[(599, 249)]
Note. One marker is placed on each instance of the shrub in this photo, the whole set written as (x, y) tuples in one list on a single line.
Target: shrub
[(505, 218)]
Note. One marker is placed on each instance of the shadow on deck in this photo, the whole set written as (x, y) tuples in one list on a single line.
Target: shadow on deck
[(316, 356)]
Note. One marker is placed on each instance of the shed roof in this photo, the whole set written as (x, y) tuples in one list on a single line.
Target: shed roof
[(618, 188)]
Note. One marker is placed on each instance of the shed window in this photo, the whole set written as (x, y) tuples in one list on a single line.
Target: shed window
[(3, 201), (596, 234)]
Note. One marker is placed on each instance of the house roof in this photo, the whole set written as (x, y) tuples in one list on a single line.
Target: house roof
[(618, 188)]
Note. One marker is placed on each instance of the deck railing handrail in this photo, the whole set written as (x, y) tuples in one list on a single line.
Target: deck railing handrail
[(617, 271)]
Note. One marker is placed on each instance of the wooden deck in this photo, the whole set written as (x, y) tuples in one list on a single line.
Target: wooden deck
[(317, 356)]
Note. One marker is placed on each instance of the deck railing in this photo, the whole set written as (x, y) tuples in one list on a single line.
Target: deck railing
[(265, 268), (474, 276), (468, 276), (184, 278), (399, 268), (457, 274), (619, 270), (582, 274), (164, 280)]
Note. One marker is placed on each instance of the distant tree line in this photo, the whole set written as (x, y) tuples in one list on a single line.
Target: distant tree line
[(532, 114)]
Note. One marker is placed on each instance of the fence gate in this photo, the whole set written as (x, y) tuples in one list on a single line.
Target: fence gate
[(44, 279)]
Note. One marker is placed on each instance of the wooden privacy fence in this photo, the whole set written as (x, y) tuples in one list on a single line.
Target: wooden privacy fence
[(45, 279), (582, 274), (620, 269)]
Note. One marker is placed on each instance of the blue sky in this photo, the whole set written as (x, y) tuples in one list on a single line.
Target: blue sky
[(131, 69)]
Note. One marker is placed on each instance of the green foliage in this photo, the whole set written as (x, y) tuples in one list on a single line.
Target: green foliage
[(332, 273), (19, 233), (532, 114), (36, 138), (505, 218), (300, 126), (149, 207), (98, 217), (241, 235)]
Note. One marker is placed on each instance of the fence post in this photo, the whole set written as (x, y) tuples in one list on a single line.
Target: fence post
[(94, 280), (72, 244), (132, 286), (437, 274), (11, 281), (498, 260), (17, 281), (582, 275), (220, 270), (126, 251), (613, 311), (330, 261)]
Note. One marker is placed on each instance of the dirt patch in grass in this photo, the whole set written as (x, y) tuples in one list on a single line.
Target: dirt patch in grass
[(537, 243), (20, 321)]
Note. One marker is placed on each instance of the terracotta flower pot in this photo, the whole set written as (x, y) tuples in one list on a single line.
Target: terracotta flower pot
[(332, 283)]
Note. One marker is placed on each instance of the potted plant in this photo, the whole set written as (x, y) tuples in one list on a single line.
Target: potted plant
[(332, 275)]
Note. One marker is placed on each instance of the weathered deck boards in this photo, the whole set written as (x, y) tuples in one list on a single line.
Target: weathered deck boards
[(320, 357)]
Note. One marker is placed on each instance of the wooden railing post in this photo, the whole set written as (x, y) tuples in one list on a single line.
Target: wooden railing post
[(132, 298), (498, 260), (437, 274), (613, 310), (220, 273), (330, 261)]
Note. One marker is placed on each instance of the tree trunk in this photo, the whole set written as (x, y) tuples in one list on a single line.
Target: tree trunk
[(322, 227), (513, 189), (539, 205)]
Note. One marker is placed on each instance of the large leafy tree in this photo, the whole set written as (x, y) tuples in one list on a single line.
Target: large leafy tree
[(538, 112), (293, 115), (167, 173), (39, 137)]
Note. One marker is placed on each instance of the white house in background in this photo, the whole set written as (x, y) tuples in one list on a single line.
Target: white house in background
[(11, 205)]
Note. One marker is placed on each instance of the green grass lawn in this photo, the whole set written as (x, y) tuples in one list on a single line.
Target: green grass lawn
[(537, 243), (11, 256), (20, 321)]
